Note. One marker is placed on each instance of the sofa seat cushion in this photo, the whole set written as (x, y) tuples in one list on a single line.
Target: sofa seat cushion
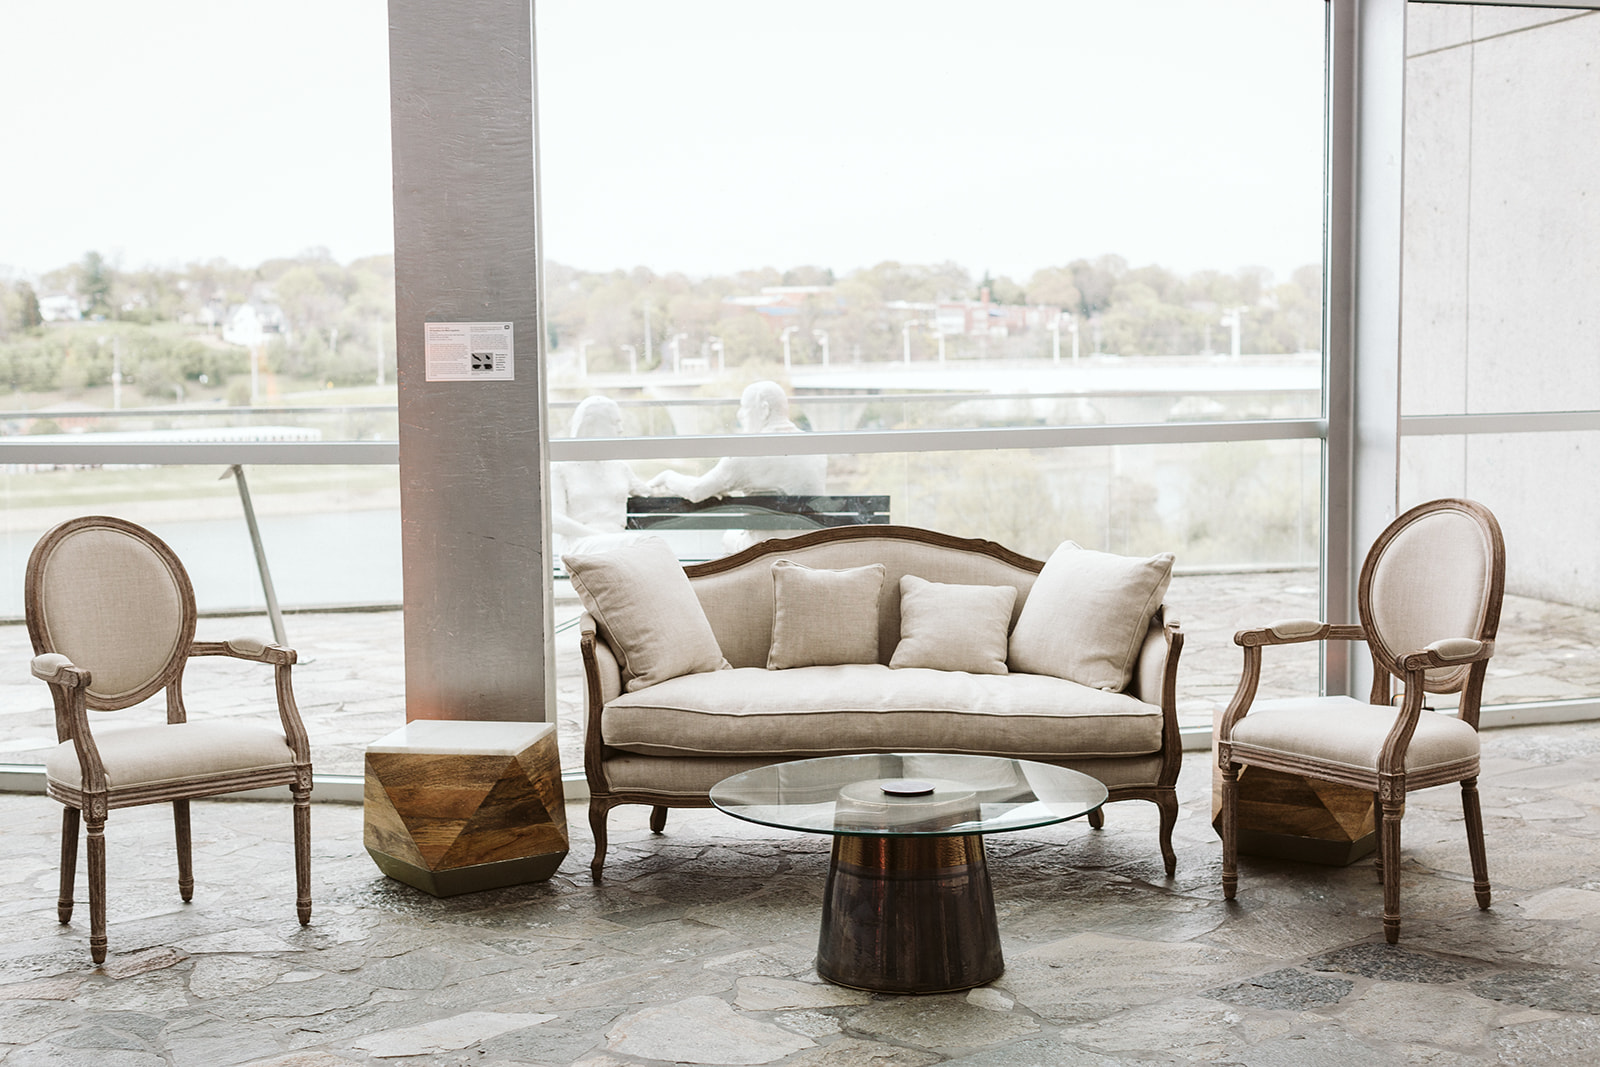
[(866, 707)]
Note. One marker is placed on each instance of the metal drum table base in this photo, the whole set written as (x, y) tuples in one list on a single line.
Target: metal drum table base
[(909, 915)]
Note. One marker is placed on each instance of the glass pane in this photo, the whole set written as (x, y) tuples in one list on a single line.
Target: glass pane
[(1242, 520), (941, 232), (220, 265), (1500, 269), (1550, 625), (332, 541)]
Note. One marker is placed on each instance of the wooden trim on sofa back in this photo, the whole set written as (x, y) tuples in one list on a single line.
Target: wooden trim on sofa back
[(780, 545)]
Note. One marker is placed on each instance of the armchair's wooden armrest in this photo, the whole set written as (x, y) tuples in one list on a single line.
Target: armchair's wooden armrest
[(1297, 631), (57, 669), (1447, 652), (249, 648)]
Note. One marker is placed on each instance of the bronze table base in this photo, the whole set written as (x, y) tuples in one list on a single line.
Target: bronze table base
[(909, 915)]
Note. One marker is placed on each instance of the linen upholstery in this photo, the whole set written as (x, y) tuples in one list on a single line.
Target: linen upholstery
[(108, 600), (869, 707), (824, 617), (738, 599), (1347, 733), (642, 600), (153, 755), (1429, 583), (1087, 616), (953, 627)]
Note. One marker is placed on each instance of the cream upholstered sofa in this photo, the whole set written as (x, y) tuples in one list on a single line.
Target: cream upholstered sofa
[(697, 673)]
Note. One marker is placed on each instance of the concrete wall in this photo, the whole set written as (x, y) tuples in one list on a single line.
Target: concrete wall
[(1501, 290)]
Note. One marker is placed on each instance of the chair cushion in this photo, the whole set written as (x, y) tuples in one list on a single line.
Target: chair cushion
[(152, 755), (953, 627), (865, 707), (642, 599), (1086, 617), (1349, 733), (824, 617)]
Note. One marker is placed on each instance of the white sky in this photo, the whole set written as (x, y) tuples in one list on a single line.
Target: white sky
[(694, 135)]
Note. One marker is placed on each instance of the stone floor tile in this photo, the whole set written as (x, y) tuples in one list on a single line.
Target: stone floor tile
[(854, 1052), (773, 994), (1553, 989), (448, 1034), (1287, 989), (944, 1023), (1414, 1013), (701, 1030), (1394, 963)]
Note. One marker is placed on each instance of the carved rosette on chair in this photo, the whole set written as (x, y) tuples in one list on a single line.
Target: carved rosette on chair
[(458, 806), (1429, 597), (111, 615)]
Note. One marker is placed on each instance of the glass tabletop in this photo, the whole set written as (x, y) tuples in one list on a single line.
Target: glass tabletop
[(908, 794)]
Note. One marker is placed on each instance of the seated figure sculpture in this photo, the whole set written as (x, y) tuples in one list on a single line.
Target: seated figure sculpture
[(589, 498), (763, 408)]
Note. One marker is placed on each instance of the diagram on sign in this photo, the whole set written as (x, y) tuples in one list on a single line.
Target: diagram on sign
[(469, 352)]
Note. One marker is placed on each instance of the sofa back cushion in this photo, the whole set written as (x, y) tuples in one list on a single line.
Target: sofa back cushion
[(824, 617), (1089, 615), (737, 594)]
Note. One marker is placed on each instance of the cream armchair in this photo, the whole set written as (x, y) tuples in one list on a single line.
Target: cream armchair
[(112, 618), (1429, 599)]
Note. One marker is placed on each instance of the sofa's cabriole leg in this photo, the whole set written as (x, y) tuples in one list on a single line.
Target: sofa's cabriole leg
[(597, 826), (658, 819), (1168, 803)]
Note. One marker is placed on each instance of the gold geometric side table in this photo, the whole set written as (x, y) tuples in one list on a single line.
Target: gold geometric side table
[(458, 806)]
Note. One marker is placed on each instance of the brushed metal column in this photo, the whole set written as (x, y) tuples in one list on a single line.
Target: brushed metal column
[(472, 454)]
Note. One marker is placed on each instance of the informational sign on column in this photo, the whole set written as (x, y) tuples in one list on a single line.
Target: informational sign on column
[(469, 352)]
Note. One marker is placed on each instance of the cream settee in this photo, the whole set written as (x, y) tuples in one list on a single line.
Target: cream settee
[(696, 673)]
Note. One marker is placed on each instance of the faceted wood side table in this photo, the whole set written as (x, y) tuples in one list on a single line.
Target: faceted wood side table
[(456, 807), (1288, 817)]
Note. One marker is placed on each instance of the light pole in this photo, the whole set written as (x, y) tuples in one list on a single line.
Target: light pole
[(905, 342), (583, 356), (1072, 328), (1055, 339), (717, 346), (677, 349), (633, 358), (788, 331), (822, 336), (1234, 318)]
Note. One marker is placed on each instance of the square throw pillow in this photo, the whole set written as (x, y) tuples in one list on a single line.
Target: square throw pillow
[(642, 600), (822, 617), (1086, 616), (953, 627)]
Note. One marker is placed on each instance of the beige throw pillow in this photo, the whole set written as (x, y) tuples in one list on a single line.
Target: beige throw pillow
[(644, 604), (822, 617), (1086, 616), (953, 627)]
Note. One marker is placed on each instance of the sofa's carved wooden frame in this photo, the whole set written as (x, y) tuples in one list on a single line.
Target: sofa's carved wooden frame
[(602, 798)]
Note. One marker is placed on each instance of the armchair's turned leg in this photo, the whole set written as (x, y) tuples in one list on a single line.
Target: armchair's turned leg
[(658, 819), (180, 829), (1389, 847), (1480, 861), (97, 888), (302, 854), (597, 826), (70, 818), (1377, 814), (1169, 820), (1097, 819), (1230, 830)]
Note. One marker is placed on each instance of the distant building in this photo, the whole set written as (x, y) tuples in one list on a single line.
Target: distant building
[(60, 307), (253, 324)]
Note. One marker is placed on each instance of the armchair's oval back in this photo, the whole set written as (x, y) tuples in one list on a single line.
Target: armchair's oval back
[(737, 593), (113, 598), (1438, 571)]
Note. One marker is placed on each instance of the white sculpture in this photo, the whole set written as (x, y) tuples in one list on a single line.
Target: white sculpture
[(589, 498), (763, 408)]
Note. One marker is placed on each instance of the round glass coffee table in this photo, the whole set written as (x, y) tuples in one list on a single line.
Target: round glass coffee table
[(908, 907)]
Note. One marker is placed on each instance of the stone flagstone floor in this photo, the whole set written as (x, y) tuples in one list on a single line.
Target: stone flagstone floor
[(698, 947)]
